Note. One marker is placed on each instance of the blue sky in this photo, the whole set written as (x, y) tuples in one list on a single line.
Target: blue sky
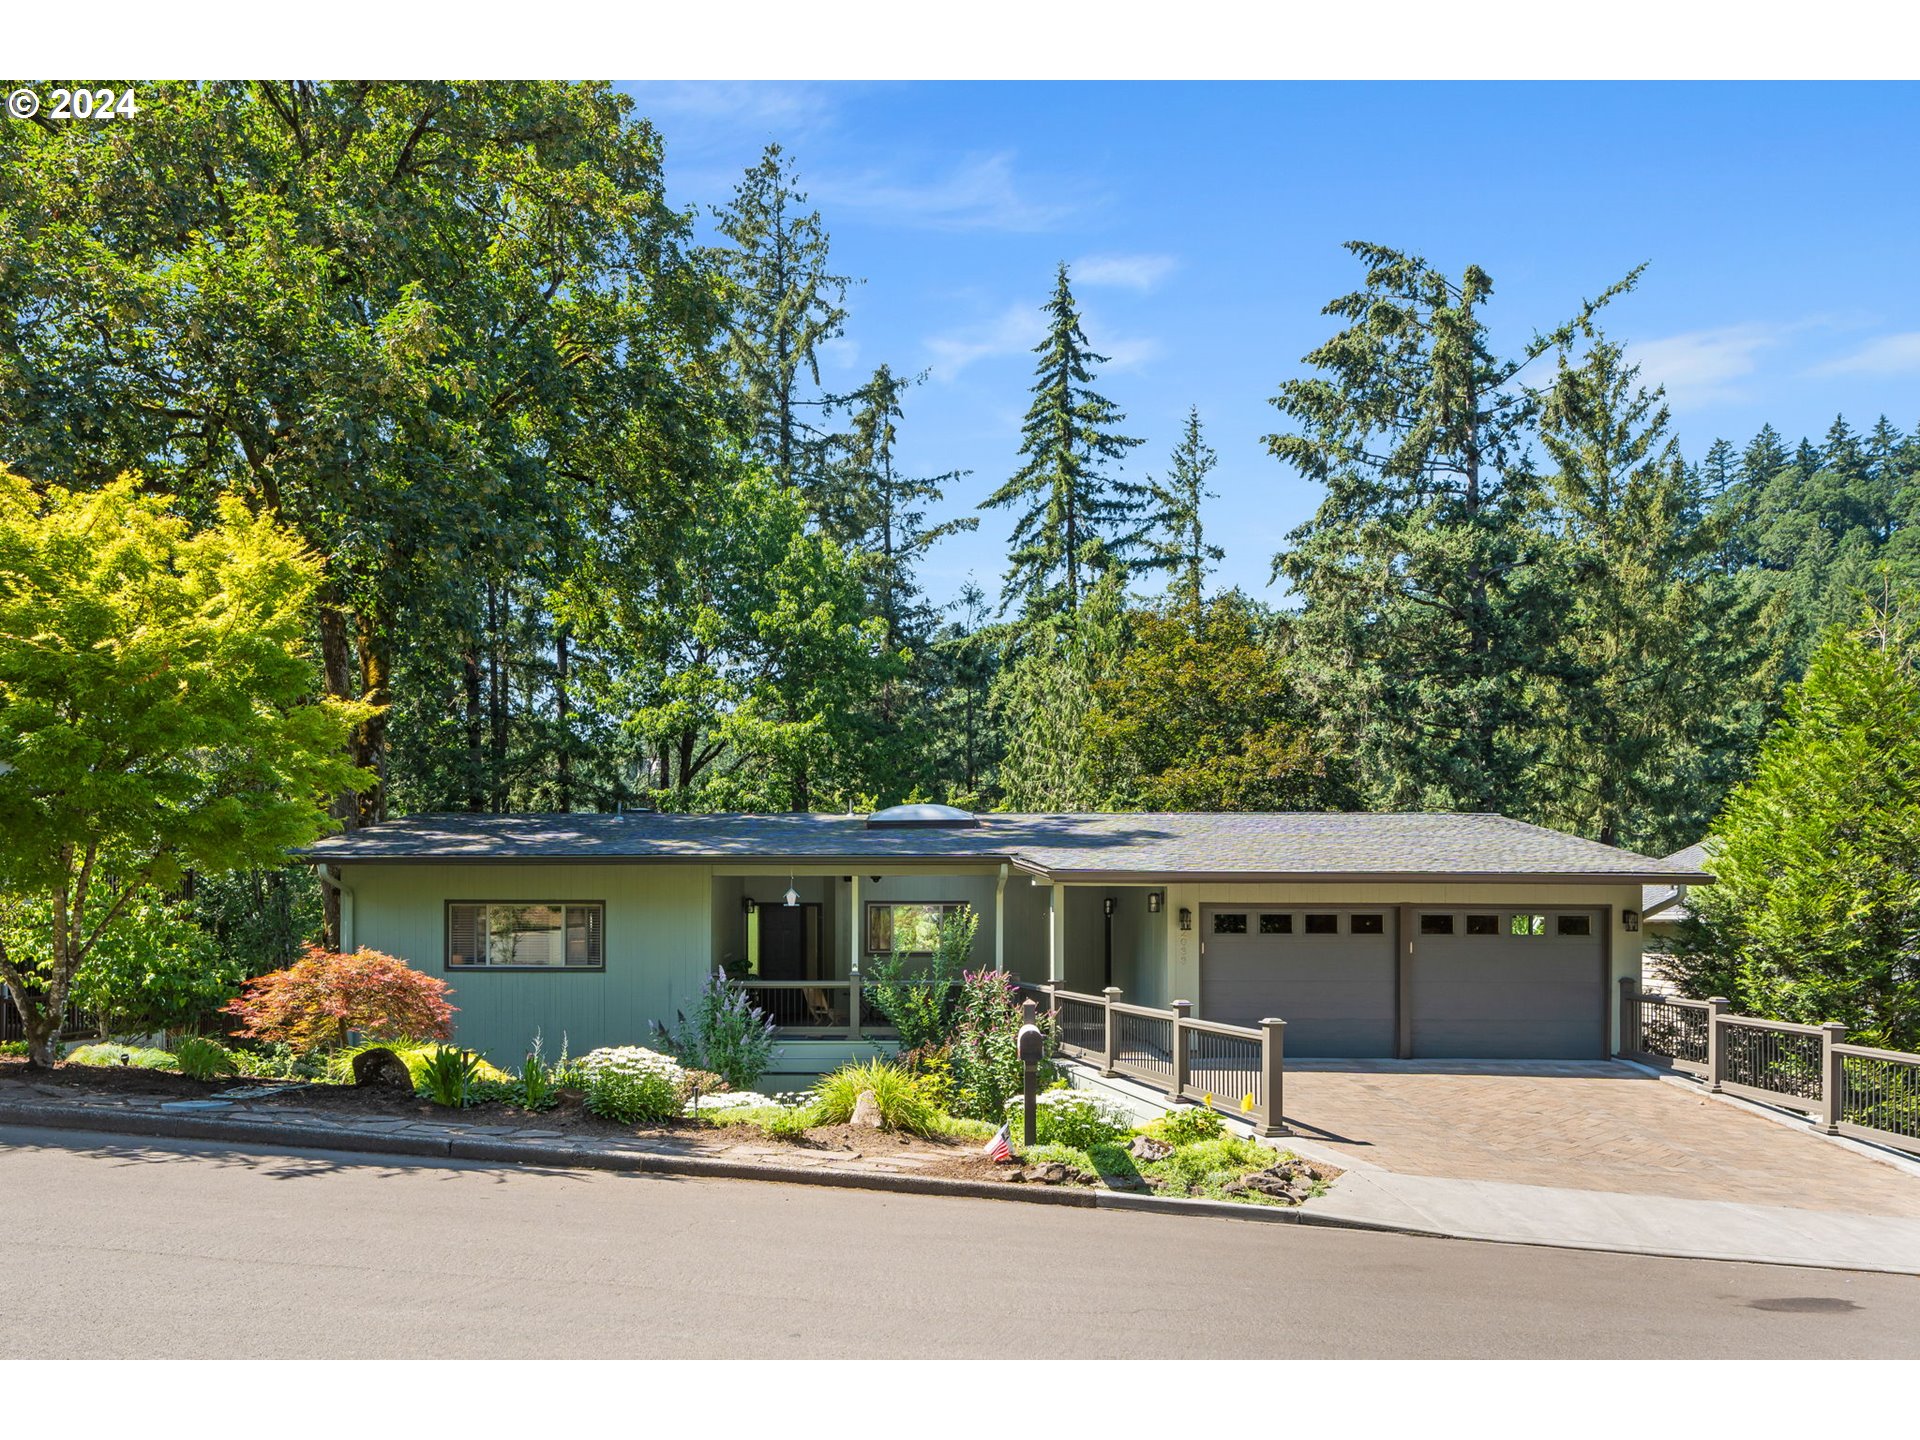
[(1204, 225)]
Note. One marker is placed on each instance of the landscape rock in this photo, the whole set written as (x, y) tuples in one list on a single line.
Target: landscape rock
[(866, 1110), (381, 1067), (1145, 1147)]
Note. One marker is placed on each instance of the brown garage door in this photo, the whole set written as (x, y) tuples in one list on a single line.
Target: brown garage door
[(1509, 984), (1328, 973)]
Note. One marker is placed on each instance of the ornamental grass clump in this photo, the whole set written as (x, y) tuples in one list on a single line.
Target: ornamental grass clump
[(448, 1077), (903, 1106), (137, 1057), (202, 1059)]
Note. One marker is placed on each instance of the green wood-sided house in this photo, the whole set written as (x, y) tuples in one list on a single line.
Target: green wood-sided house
[(1372, 935)]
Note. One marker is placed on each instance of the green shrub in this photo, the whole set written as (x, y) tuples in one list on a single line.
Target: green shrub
[(1072, 1118), (903, 1106), (924, 1008), (1203, 1167), (791, 1122), (986, 1051), (447, 1076), (203, 1059), (630, 1097), (1186, 1124), (283, 1062), (728, 1035), (106, 1053)]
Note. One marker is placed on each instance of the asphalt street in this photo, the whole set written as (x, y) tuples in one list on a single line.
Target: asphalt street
[(190, 1249)]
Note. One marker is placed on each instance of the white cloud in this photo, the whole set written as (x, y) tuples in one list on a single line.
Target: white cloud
[(1126, 272), (1702, 367), (737, 106), (980, 193), (839, 353), (1014, 331), (1129, 354), (1888, 355)]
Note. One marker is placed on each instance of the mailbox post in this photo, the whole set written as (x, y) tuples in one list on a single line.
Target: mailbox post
[(1030, 1043)]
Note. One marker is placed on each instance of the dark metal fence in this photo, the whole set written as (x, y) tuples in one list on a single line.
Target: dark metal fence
[(1223, 1064), (75, 1022), (1842, 1088)]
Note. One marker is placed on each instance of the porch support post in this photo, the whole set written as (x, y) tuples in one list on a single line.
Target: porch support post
[(1833, 1078), (1000, 920), (1112, 1039), (1273, 1069), (1057, 935), (856, 922), (1180, 1070)]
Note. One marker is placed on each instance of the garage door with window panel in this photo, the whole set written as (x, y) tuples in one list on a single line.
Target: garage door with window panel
[(1327, 972), (1508, 984)]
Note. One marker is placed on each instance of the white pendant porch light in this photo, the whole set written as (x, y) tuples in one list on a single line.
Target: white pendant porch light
[(792, 897)]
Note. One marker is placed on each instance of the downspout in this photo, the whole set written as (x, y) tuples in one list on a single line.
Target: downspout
[(1000, 920)]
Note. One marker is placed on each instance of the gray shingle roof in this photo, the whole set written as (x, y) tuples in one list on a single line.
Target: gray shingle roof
[(1665, 900), (1160, 847)]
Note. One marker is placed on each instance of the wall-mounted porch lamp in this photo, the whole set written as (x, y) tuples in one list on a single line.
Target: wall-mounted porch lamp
[(1629, 920), (1106, 905), (1186, 918), (1153, 902), (749, 904)]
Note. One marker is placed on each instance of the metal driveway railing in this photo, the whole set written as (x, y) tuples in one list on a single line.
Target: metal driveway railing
[(1238, 1069), (1844, 1089)]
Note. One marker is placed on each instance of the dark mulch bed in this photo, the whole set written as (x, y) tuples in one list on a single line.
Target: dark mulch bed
[(122, 1079)]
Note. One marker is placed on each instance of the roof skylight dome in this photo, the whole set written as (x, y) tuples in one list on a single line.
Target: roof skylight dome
[(945, 817)]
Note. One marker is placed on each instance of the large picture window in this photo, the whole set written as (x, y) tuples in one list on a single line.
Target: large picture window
[(910, 926), (526, 935)]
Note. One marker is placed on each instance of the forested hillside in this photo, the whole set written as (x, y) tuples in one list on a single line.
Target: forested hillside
[(597, 534)]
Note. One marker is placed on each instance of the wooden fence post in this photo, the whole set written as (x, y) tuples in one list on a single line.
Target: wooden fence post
[(1111, 1050), (1833, 1077), (1716, 1051), (1178, 1094), (1273, 1069), (1629, 1016)]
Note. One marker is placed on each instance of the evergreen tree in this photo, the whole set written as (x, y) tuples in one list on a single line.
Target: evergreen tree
[(1815, 915), (1425, 603), (786, 304), (1654, 680), (1177, 541), (1043, 702), (1066, 503), (965, 658)]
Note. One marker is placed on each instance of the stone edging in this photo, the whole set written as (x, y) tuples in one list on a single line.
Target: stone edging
[(139, 1124)]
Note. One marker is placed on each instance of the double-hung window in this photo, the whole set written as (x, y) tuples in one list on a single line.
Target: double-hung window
[(526, 935)]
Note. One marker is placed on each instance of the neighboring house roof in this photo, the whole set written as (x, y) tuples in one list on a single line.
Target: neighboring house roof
[(1668, 903), (1136, 847)]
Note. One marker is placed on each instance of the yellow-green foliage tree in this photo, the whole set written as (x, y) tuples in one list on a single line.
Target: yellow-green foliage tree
[(159, 712)]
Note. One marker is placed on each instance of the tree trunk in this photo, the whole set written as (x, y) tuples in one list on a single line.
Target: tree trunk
[(476, 725), (563, 797), (496, 698), (376, 677)]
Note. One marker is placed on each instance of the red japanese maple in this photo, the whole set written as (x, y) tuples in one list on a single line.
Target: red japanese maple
[(318, 1000)]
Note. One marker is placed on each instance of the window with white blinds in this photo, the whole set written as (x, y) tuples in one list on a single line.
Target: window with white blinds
[(525, 935)]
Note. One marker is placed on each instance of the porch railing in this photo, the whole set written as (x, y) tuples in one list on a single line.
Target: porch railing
[(1238, 1069), (822, 1006), (1843, 1089)]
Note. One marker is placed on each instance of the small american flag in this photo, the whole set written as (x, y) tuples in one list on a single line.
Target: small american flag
[(1000, 1148)]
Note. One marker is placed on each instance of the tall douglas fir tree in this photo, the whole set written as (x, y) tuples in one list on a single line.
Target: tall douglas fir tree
[(1178, 543), (786, 303), (1065, 497)]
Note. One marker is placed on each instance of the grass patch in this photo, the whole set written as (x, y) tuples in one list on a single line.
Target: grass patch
[(903, 1105), (1204, 1167)]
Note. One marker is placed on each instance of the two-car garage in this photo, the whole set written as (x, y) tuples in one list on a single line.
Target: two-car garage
[(1468, 982)]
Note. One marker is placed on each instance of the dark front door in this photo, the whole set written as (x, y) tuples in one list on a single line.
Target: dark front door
[(788, 934)]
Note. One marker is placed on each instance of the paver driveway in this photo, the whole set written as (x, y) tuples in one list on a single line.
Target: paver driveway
[(1581, 1126)]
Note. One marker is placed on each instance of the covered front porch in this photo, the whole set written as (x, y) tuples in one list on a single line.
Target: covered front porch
[(800, 941)]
